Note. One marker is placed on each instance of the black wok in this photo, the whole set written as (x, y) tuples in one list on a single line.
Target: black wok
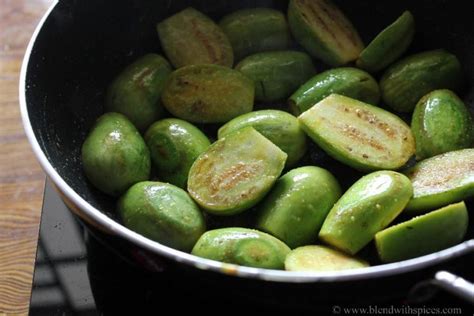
[(80, 46)]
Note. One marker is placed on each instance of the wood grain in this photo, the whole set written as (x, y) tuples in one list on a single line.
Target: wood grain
[(21, 178)]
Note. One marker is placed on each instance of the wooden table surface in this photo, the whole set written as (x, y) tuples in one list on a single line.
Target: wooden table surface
[(21, 178)]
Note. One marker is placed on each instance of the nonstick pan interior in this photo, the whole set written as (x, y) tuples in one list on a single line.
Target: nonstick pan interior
[(84, 44)]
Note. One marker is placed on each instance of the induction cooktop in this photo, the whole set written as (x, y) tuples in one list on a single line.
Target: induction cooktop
[(77, 275)]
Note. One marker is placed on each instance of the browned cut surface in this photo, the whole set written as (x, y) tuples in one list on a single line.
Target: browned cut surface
[(434, 178), (375, 121), (315, 18), (21, 178), (320, 12), (337, 16), (318, 7), (232, 176), (361, 138), (204, 39)]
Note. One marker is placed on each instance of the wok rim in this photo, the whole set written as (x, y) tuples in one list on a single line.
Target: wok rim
[(91, 213)]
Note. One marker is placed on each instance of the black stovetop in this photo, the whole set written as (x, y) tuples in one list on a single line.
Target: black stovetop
[(76, 275)]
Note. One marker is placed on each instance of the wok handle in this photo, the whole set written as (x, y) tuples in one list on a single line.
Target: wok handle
[(425, 290), (455, 285)]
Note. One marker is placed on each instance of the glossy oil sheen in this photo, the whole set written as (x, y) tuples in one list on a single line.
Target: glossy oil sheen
[(69, 68), (441, 123), (441, 180), (136, 91), (297, 205), (242, 246), (235, 172), (389, 45), (405, 82), (346, 81), (163, 213), (174, 145), (281, 128), (424, 234), (114, 155), (358, 134), (367, 207)]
